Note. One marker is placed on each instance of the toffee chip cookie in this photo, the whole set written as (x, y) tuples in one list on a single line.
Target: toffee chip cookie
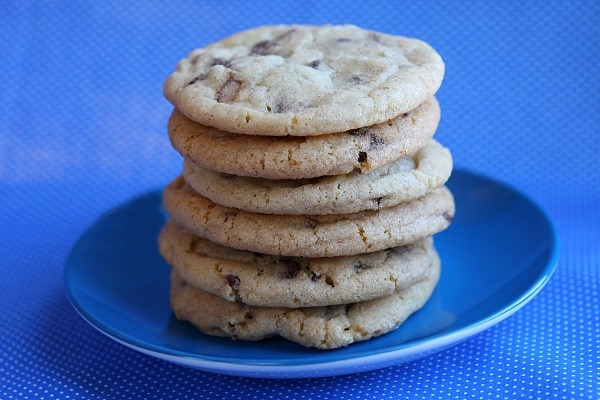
[(290, 157), (309, 235), (321, 327), (303, 80), (402, 180), (270, 281)]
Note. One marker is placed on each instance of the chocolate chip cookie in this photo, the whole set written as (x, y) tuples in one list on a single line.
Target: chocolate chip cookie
[(326, 327), (303, 80), (309, 235), (294, 157), (270, 281), (402, 180)]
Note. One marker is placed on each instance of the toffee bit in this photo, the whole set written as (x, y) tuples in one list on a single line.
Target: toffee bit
[(229, 91), (329, 281)]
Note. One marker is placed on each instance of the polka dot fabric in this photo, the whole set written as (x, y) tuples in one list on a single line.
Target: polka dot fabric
[(83, 128)]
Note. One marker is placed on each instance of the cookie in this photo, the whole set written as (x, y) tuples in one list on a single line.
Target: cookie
[(302, 80), (326, 327), (402, 180), (292, 157), (309, 235), (269, 281)]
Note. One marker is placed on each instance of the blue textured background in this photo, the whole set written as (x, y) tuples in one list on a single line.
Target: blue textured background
[(82, 129)]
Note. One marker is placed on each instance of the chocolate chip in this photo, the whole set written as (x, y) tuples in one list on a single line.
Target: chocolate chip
[(447, 217), (229, 90), (399, 250), (232, 280), (375, 139), (228, 176), (359, 266), (292, 268), (229, 213), (311, 222), (286, 34), (356, 80), (263, 48), (194, 60), (200, 77), (193, 244), (234, 283), (360, 131), (220, 61), (362, 156), (314, 64), (278, 108), (375, 37), (314, 277)]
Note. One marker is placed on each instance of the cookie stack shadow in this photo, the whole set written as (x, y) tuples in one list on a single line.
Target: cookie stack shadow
[(323, 239)]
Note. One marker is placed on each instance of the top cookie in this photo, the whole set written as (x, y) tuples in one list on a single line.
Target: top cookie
[(304, 80)]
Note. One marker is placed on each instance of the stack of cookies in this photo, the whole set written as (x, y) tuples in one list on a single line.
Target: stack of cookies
[(311, 185)]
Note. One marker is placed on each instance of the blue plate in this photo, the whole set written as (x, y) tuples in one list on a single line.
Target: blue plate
[(499, 252)]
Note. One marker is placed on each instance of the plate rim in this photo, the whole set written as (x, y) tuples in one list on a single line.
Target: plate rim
[(332, 365)]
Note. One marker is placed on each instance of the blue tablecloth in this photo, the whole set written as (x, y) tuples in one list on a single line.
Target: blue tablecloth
[(83, 129)]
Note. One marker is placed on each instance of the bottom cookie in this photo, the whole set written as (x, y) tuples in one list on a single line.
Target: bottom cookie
[(320, 327)]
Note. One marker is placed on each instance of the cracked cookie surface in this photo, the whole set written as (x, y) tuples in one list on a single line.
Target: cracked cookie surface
[(320, 327), (402, 180), (303, 80), (289, 157), (269, 281), (309, 235)]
